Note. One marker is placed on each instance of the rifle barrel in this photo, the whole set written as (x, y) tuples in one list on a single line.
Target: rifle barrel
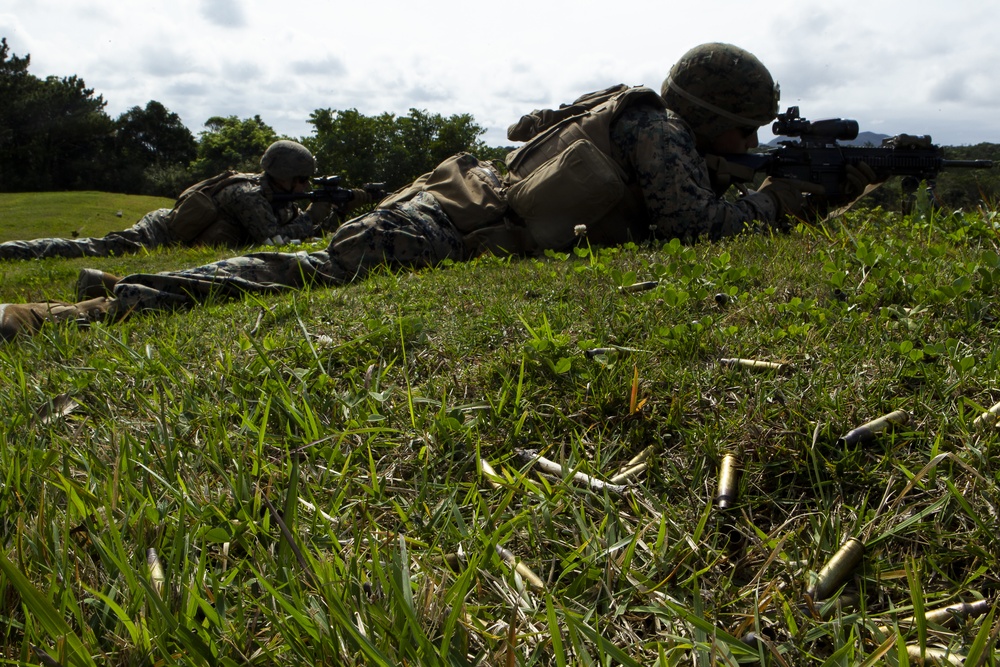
[(967, 164)]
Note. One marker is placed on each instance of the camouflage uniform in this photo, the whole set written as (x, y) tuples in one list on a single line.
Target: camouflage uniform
[(245, 203), (415, 233), (666, 189), (657, 150)]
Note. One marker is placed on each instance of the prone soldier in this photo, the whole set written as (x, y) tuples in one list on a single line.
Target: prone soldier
[(231, 209)]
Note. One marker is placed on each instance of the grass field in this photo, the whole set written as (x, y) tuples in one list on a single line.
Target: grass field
[(351, 476), (63, 214)]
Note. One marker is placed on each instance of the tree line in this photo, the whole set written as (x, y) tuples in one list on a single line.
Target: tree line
[(56, 135)]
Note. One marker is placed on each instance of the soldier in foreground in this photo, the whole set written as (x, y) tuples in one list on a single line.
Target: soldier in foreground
[(232, 209), (617, 165)]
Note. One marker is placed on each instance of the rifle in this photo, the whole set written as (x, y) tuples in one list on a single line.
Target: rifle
[(817, 157), (328, 189)]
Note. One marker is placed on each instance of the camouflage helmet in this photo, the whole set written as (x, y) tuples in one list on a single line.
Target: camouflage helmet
[(717, 87), (286, 160)]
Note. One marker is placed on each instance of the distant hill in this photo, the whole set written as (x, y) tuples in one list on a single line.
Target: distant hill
[(864, 139)]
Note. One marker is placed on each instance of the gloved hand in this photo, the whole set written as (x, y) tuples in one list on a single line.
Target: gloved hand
[(788, 194), (318, 212), (724, 173), (859, 177)]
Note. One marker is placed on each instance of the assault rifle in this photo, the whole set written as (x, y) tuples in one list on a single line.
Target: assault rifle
[(817, 157), (328, 189)]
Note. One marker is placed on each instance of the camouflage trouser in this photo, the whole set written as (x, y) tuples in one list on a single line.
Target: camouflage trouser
[(149, 232), (416, 233)]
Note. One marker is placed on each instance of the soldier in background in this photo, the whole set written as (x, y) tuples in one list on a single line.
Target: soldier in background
[(616, 165), (232, 209)]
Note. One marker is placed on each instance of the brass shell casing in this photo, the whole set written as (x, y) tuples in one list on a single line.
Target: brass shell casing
[(950, 616), (867, 432), (639, 287), (989, 417), (729, 483), (755, 364), (837, 569)]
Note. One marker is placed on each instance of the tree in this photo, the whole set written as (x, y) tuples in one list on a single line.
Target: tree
[(350, 144), (54, 131), (152, 149), (390, 149), (231, 143), (969, 188), (14, 83)]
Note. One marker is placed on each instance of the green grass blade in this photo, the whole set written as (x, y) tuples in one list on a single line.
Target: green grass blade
[(46, 614)]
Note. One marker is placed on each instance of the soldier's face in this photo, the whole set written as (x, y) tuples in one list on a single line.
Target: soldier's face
[(736, 140), (296, 184)]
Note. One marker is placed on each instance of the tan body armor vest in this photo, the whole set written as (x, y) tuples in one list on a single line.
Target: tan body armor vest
[(196, 220), (567, 175)]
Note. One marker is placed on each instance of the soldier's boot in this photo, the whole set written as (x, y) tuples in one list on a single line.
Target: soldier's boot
[(26, 319), (93, 283)]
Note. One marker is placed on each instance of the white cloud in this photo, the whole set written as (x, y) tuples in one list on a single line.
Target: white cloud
[(224, 13), (327, 66)]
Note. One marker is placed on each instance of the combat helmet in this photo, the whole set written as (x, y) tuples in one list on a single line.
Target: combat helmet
[(286, 160), (716, 87)]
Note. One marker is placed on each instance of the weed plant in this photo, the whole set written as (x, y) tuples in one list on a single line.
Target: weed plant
[(345, 476)]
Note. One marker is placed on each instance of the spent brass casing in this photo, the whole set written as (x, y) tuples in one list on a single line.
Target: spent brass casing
[(837, 569), (754, 364), (867, 432), (729, 483), (455, 561), (629, 473), (155, 570), (639, 287), (928, 655), (989, 417), (952, 615)]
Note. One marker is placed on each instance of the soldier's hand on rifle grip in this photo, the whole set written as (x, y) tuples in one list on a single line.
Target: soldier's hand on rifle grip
[(859, 177), (320, 212), (789, 195)]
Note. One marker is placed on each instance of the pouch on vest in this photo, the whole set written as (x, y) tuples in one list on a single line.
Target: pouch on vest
[(469, 191), (221, 233), (503, 238), (195, 210), (577, 187), (193, 215)]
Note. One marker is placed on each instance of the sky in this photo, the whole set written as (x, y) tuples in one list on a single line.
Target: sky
[(896, 66)]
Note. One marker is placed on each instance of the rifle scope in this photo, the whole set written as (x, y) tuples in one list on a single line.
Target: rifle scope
[(790, 124), (327, 181)]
